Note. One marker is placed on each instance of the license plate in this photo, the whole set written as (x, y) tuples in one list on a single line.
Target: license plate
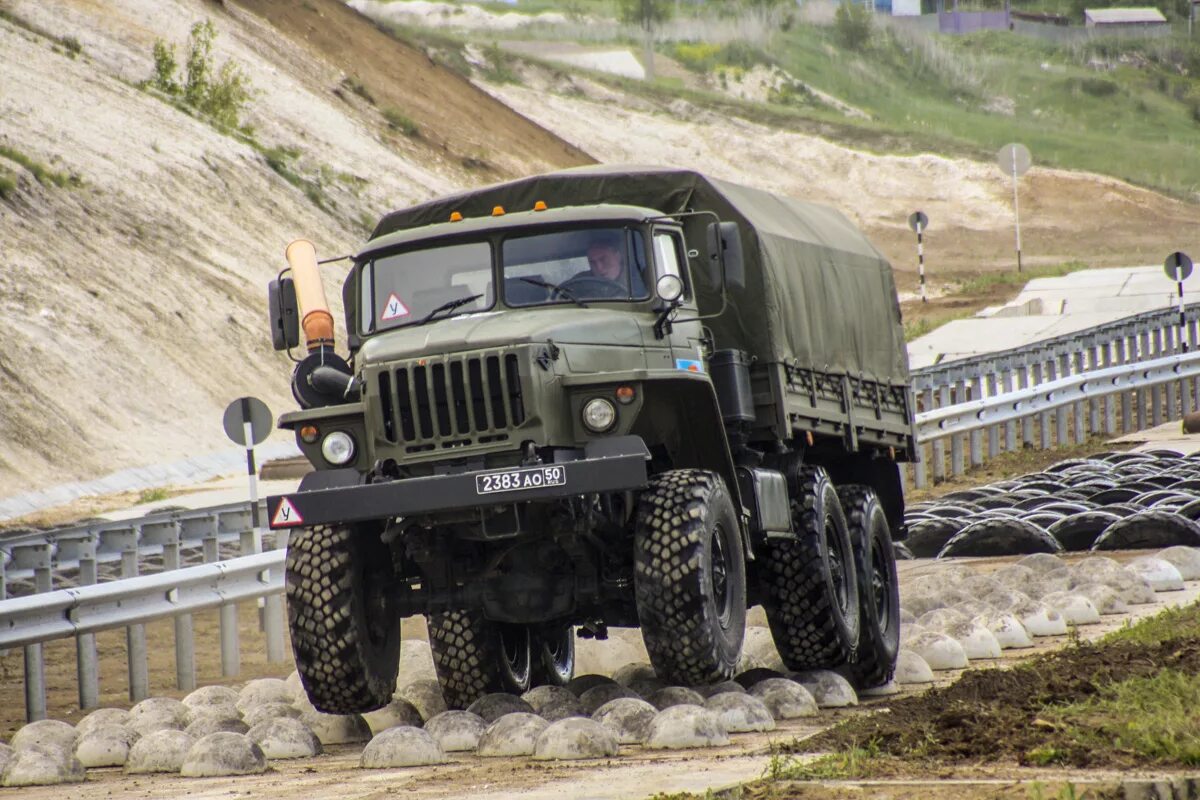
[(516, 480)]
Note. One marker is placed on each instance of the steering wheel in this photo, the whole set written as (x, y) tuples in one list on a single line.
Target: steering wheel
[(592, 287)]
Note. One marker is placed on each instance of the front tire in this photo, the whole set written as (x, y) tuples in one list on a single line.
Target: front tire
[(811, 589), (345, 634), (474, 656), (690, 577), (878, 588)]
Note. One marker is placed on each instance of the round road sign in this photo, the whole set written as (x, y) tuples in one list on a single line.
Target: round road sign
[(1014, 158), (1178, 266), (243, 410), (918, 221)]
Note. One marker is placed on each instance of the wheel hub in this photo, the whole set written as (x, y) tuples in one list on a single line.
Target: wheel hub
[(720, 577)]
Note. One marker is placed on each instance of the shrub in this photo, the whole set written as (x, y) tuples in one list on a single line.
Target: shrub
[(8, 185), (852, 25), (397, 121), (221, 94)]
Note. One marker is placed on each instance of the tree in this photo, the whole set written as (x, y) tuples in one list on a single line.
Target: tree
[(647, 14), (852, 25)]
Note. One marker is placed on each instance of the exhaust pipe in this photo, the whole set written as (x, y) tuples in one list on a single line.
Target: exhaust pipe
[(315, 319), (322, 378)]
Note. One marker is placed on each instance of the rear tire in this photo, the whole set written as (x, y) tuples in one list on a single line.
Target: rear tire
[(553, 655), (474, 656), (811, 591), (345, 634), (690, 577), (878, 588)]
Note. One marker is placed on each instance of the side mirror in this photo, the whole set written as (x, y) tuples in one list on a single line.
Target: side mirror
[(725, 249), (284, 313)]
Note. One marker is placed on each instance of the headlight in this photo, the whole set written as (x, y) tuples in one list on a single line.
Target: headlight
[(338, 448), (599, 415)]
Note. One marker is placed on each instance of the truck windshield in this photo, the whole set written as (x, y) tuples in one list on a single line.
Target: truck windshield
[(405, 288), (574, 266)]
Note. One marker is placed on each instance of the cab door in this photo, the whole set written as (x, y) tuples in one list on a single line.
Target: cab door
[(681, 347)]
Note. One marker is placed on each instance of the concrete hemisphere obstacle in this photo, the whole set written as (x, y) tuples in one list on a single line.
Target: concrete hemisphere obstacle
[(1038, 619), (511, 735), (492, 707), (647, 686), (7, 754), (212, 696), (758, 645), (976, 640), (1042, 563), (741, 713), (1094, 569), (1106, 599), (102, 716), (42, 765), (1009, 632), (425, 694), (1132, 588), (268, 711), (456, 731), (940, 651), (554, 703), (628, 718), (1160, 574), (785, 698), (46, 732), (221, 754), (827, 687), (719, 688), (685, 726), (159, 707), (205, 725), (581, 683), (395, 714), (974, 608), (337, 728), (912, 669), (264, 690), (160, 751), (941, 619), (283, 738), (573, 739), (1075, 608), (295, 685), (147, 724), (675, 696), (105, 746), (633, 671), (1183, 558), (223, 711), (597, 696), (403, 746)]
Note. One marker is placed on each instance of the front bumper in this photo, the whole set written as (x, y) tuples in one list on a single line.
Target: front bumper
[(611, 465)]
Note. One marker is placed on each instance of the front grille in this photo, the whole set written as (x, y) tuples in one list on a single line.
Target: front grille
[(452, 401)]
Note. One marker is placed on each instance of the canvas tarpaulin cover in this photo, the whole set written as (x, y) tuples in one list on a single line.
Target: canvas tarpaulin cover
[(818, 295)]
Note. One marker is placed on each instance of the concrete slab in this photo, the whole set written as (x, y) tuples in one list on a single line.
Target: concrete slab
[(1168, 436), (1048, 307)]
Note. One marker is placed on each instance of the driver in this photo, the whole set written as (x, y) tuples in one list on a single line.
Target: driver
[(606, 262)]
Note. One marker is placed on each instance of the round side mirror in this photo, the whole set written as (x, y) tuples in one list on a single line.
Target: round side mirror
[(670, 288)]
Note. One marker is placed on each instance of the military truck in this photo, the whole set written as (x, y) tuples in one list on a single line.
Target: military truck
[(607, 396)]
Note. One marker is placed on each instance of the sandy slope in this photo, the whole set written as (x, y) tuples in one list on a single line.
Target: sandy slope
[(133, 306)]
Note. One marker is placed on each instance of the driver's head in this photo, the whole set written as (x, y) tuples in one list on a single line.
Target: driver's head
[(605, 257)]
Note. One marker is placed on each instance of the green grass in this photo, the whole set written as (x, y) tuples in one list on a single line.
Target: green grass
[(986, 282), (398, 121), (41, 173), (856, 762), (8, 185), (1173, 623), (1154, 717), (280, 159), (152, 496)]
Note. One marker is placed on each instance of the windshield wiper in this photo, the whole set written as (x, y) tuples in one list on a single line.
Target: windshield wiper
[(555, 287), (449, 306)]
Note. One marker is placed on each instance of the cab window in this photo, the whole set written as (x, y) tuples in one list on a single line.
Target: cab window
[(404, 288)]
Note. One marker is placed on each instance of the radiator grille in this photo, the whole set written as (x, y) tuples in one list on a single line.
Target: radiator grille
[(452, 401)]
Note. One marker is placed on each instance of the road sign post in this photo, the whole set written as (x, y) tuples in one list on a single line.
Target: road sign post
[(1015, 159), (1178, 267), (918, 221), (247, 422)]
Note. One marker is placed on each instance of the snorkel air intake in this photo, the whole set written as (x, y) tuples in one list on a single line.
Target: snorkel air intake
[(322, 378)]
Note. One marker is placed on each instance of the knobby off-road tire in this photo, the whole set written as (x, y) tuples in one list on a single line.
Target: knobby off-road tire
[(345, 637), (690, 577), (878, 587), (811, 591), (474, 656)]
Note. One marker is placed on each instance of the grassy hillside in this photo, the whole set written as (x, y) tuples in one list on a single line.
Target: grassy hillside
[(1128, 108)]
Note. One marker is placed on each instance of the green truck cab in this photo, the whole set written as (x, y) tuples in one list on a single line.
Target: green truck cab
[(609, 396)]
